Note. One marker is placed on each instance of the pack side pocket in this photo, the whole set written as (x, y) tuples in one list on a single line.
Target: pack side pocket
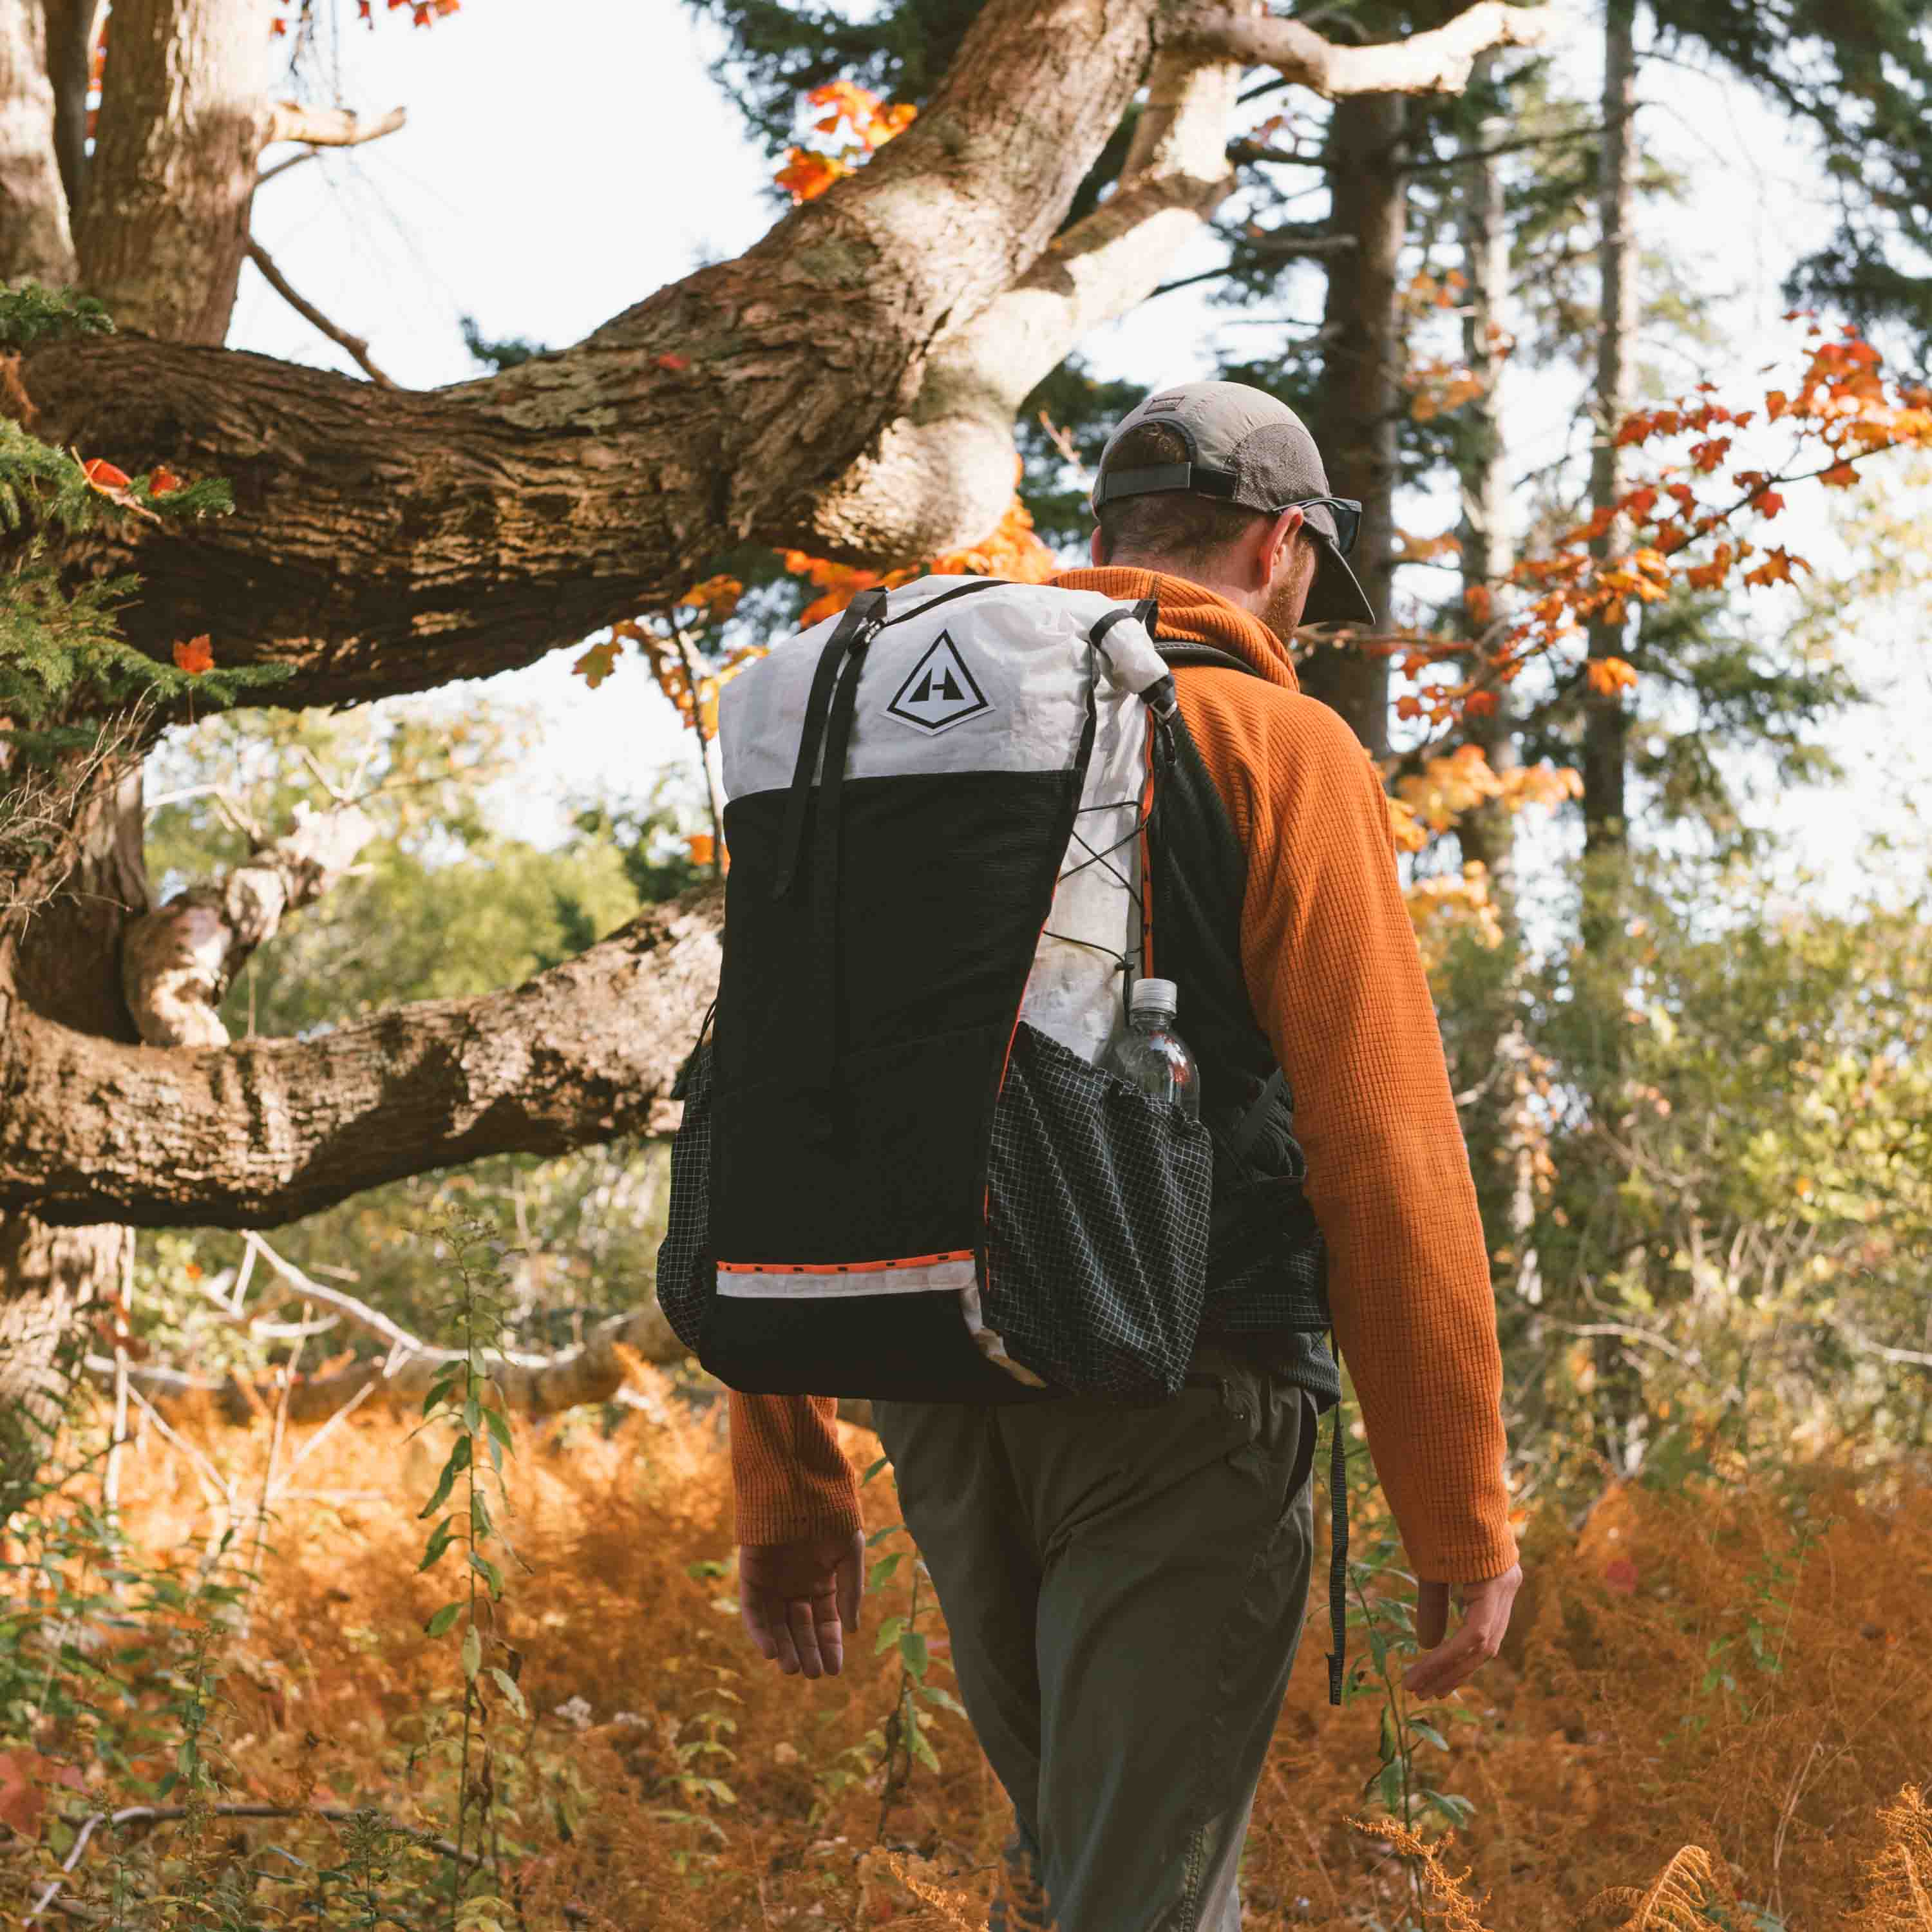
[(687, 1283), (1096, 1230)]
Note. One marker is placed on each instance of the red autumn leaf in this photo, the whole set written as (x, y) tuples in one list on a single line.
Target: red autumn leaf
[(1620, 1574), (163, 482), (195, 655), (1840, 476), (672, 361), (1767, 502), (104, 476), (1478, 602), (1479, 703)]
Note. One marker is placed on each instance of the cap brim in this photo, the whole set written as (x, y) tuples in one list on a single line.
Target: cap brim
[(1336, 596)]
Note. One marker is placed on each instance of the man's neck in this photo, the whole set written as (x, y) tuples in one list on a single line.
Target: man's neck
[(1228, 593)]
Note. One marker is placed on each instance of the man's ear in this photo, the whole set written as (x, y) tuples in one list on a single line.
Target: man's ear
[(1096, 548), (1281, 540)]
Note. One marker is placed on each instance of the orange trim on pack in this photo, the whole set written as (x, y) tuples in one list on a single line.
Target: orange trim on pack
[(841, 1267)]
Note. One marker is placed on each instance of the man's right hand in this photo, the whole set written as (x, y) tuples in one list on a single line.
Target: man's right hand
[(1486, 1615)]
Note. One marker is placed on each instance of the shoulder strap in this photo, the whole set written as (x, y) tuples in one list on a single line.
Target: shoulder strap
[(1180, 651)]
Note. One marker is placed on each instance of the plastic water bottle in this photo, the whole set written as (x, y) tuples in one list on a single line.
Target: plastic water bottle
[(1151, 1055)]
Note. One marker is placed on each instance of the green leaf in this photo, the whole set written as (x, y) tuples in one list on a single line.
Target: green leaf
[(878, 1536), (473, 1651), (1388, 1784), (498, 1424), (438, 1543), (882, 1569), (1389, 1748), (1428, 1733), (488, 1571), (889, 1635), (912, 1648), (444, 1619), (921, 1749), (512, 1696), (874, 1471), (937, 1693)]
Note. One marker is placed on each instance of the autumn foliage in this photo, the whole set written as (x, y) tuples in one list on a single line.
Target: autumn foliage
[(1722, 1692)]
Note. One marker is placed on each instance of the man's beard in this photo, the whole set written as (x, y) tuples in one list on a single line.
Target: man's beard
[(1282, 613)]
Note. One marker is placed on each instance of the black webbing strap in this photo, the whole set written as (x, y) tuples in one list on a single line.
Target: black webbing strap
[(827, 1049), (945, 597), (864, 615), (1255, 1118), (1338, 1546), (1204, 654)]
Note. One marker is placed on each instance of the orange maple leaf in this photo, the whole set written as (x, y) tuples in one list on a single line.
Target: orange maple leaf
[(1608, 675), (598, 662), (195, 655), (104, 476)]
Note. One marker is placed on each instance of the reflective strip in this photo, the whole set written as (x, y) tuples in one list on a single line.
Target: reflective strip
[(951, 1274)]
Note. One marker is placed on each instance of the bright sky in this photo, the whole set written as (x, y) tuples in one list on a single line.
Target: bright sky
[(561, 161)]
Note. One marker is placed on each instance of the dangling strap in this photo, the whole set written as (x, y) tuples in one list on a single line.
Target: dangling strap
[(863, 615), (1338, 1548)]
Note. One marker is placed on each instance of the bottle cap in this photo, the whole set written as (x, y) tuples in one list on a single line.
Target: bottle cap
[(1158, 996)]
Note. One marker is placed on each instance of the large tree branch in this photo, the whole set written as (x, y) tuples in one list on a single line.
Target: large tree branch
[(1438, 62), (391, 541), (266, 1130)]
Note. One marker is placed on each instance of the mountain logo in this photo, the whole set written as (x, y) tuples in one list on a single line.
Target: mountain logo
[(941, 692)]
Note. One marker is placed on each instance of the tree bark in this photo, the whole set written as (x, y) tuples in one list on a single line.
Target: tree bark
[(1606, 721), (185, 113), (73, 27), (1362, 360), (35, 238), (264, 1131)]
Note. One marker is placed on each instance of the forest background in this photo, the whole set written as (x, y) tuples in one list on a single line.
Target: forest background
[(1668, 876)]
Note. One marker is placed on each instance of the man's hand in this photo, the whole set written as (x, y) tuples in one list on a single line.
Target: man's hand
[(1486, 1615), (796, 1600)]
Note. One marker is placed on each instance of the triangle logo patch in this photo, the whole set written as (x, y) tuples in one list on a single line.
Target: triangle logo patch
[(941, 692)]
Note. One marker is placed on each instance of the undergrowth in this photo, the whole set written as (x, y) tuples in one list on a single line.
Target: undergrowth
[(1710, 1717)]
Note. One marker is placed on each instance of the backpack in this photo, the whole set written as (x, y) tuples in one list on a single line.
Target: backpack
[(902, 1172)]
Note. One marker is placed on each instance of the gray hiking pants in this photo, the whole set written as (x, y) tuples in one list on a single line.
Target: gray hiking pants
[(1124, 1589)]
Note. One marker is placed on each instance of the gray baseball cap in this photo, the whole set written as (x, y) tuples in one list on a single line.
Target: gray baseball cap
[(1246, 447)]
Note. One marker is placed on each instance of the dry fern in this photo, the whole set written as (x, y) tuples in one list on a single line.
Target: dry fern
[(1680, 1899), (1901, 1875), (1448, 1890)]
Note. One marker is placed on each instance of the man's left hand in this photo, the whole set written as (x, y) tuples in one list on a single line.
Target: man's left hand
[(797, 1600)]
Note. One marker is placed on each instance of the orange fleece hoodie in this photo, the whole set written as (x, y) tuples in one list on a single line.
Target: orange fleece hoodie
[(1337, 984)]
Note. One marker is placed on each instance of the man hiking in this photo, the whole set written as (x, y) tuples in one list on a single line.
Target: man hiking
[(1125, 1591)]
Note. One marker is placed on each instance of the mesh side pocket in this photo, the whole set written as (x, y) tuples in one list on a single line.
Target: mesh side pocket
[(1097, 1221), (686, 1282)]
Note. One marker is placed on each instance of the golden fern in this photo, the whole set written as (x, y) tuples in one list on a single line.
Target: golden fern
[(1679, 1901), (1901, 1876), (1457, 1907)]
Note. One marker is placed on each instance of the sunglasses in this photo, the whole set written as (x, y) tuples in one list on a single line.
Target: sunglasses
[(1348, 514)]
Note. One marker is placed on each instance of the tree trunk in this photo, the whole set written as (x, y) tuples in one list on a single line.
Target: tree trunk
[(35, 238), (1606, 722), (1362, 356), (184, 112), (1486, 835)]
